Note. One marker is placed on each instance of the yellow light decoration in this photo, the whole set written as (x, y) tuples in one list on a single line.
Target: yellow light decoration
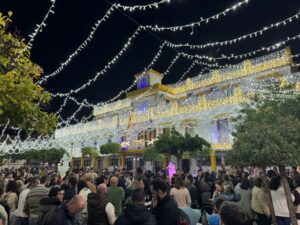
[(219, 146)]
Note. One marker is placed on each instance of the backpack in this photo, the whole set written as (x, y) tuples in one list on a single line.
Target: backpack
[(183, 218)]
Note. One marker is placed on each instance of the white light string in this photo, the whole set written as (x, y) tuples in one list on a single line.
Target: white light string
[(39, 27), (201, 21), (104, 70), (81, 46), (95, 27), (242, 37)]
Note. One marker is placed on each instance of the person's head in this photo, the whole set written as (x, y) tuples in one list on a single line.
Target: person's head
[(158, 188), (44, 180), (258, 182), (19, 184), (190, 179), (219, 186), (88, 177), (226, 177), (206, 176), (245, 184), (12, 187), (271, 173), (200, 172), (101, 180), (76, 205), (228, 189), (102, 190), (134, 184), (72, 181), (56, 193), (32, 182), (275, 183), (141, 184), (114, 181), (138, 196), (81, 184), (233, 214), (2, 219), (178, 182)]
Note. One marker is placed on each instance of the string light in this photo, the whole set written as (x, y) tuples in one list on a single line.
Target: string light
[(39, 27), (201, 21), (242, 37)]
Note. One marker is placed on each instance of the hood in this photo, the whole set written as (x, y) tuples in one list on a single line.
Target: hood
[(232, 197), (47, 204), (137, 213)]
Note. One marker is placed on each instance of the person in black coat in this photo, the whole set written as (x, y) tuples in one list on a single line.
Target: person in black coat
[(163, 207), (64, 215), (136, 213)]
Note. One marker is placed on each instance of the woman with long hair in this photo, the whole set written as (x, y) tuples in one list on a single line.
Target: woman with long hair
[(246, 196), (181, 194)]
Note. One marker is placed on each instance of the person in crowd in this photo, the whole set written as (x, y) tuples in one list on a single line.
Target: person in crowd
[(279, 201), (139, 174), (116, 195), (70, 190), (49, 204), (84, 191), (89, 179), (136, 213), (219, 189), (100, 210), (163, 207), (232, 214), (101, 180), (227, 181), (19, 217), (206, 187), (32, 202), (3, 219), (181, 194), (260, 203), (246, 195), (228, 195), (193, 192), (11, 196), (3, 212), (65, 214), (296, 193)]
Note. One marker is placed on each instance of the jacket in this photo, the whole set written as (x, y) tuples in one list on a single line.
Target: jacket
[(166, 211), (32, 203), (231, 197), (260, 201), (61, 216), (96, 210), (47, 208), (136, 214)]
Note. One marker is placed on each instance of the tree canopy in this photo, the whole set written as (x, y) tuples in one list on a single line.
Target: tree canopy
[(178, 144), (110, 148), (151, 154), (22, 100), (91, 151), (268, 131)]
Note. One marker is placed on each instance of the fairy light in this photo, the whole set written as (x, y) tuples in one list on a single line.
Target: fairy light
[(242, 37), (201, 21), (39, 27)]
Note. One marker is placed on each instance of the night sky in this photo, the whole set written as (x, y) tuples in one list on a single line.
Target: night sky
[(73, 19)]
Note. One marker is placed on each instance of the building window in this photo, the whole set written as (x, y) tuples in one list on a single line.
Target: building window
[(223, 130)]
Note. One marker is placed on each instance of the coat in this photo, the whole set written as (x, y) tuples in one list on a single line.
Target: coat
[(47, 208), (245, 202), (136, 214), (61, 217), (166, 211)]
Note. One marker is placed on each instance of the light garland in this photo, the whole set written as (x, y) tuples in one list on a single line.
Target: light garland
[(39, 27), (201, 21), (242, 37)]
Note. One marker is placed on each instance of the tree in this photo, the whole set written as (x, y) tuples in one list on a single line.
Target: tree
[(111, 148), (151, 154), (267, 134), (91, 151), (22, 100), (178, 144), (52, 155)]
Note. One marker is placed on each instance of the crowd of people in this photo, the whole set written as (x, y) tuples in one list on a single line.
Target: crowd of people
[(31, 196)]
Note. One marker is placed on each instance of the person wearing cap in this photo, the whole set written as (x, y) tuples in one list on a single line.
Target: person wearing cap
[(50, 203)]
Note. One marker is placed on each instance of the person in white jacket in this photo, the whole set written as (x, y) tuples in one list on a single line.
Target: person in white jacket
[(279, 201)]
